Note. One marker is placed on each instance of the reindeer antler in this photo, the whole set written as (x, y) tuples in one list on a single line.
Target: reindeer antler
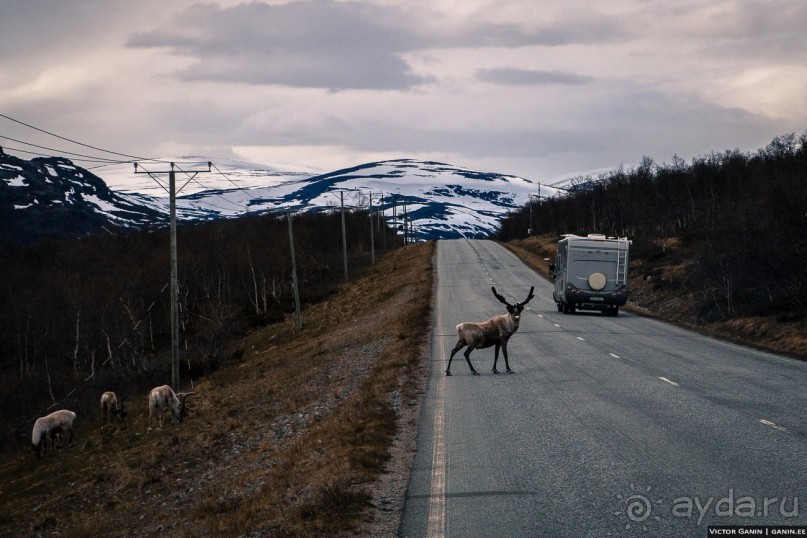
[(499, 297), (529, 297)]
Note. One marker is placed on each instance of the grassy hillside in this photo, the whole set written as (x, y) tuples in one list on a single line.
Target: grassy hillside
[(79, 317), (289, 440)]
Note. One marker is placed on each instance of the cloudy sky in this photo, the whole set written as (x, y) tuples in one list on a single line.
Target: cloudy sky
[(537, 88)]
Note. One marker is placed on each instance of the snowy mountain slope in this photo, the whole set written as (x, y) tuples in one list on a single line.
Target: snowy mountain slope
[(52, 197), (437, 199), (441, 200)]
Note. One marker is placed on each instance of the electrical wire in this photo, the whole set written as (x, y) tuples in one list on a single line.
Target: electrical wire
[(233, 182), (193, 178), (40, 154), (132, 159), (77, 142), (93, 157)]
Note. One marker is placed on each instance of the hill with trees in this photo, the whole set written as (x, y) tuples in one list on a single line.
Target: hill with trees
[(80, 314), (718, 240)]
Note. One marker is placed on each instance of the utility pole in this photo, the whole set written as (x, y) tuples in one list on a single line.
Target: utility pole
[(377, 223), (344, 234), (382, 217), (531, 230), (298, 322), (172, 198), (372, 239), (405, 226), (395, 214)]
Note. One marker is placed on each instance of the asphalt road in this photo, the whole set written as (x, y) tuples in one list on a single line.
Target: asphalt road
[(609, 426)]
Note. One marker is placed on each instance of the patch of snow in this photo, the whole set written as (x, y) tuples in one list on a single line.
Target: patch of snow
[(18, 181), (103, 205)]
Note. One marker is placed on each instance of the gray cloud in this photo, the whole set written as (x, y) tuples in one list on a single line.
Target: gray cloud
[(162, 76), (509, 76), (314, 44), (332, 45), (620, 128)]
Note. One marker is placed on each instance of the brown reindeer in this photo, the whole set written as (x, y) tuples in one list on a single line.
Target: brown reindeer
[(111, 408), (494, 332), (162, 398), (47, 428)]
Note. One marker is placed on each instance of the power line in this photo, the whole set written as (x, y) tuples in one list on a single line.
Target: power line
[(41, 154), (103, 161), (234, 183), (193, 178), (61, 152), (77, 142)]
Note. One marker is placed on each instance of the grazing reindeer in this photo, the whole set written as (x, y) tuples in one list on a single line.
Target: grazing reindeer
[(110, 408), (48, 427), (493, 332), (162, 398)]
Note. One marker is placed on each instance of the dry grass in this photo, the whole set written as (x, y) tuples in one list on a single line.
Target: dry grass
[(659, 288), (291, 441)]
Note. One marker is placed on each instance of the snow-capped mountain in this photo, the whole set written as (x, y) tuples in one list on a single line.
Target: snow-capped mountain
[(51, 196), (442, 201), (439, 200)]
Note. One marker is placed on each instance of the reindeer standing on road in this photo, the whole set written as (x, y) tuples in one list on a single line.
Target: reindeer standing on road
[(493, 332)]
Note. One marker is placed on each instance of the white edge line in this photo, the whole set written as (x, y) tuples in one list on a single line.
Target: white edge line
[(436, 523), (772, 425)]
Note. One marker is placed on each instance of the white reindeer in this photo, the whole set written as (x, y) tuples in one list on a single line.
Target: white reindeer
[(111, 408), (162, 398), (46, 428), (494, 332)]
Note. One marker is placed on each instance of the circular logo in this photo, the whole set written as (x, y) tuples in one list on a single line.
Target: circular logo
[(638, 508)]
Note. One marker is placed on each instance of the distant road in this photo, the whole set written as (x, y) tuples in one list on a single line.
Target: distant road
[(609, 426)]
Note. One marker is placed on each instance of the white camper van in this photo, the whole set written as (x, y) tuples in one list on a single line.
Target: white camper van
[(591, 273)]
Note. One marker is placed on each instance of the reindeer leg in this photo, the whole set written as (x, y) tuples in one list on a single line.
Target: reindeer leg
[(495, 359), (468, 358), (458, 346), (448, 369), (506, 361)]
